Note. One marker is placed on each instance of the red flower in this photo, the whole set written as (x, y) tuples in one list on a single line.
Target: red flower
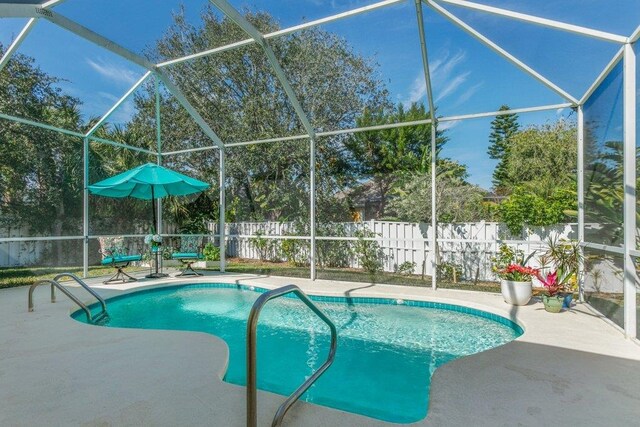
[(516, 268)]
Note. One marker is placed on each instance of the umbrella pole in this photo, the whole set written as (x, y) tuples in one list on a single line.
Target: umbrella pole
[(153, 211)]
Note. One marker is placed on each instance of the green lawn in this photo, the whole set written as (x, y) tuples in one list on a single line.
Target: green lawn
[(24, 276)]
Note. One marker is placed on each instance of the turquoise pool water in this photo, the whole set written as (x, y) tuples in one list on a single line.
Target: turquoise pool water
[(386, 353)]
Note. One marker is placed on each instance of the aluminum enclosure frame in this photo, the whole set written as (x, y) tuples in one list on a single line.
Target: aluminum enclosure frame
[(626, 54)]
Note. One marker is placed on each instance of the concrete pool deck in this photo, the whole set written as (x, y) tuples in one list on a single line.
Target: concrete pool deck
[(571, 368)]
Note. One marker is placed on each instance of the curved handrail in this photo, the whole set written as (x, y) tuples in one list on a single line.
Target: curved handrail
[(85, 286), (252, 322), (53, 284)]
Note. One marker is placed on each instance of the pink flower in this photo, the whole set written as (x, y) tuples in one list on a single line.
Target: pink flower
[(550, 282)]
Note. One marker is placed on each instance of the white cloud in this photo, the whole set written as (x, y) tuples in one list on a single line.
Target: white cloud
[(451, 86), (418, 90), (445, 65), (448, 124), (108, 96), (122, 114), (113, 72), (467, 94), (448, 77)]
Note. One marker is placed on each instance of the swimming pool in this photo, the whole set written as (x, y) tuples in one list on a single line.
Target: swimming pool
[(387, 352)]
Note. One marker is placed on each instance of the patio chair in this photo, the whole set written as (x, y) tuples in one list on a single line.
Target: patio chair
[(190, 251), (114, 253)]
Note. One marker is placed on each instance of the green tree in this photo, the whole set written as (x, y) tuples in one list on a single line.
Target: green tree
[(524, 207), (40, 170), (541, 166), (503, 127), (457, 199), (384, 156), (238, 94), (543, 157), (604, 190)]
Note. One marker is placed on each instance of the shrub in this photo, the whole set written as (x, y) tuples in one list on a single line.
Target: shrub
[(368, 252), (263, 245), (211, 252), (295, 251), (405, 269), (333, 253), (449, 271)]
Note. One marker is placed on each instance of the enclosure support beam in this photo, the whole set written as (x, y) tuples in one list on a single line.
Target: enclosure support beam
[(580, 172), (380, 127), (111, 46), (16, 10), (629, 113), (432, 110), (231, 13), (159, 151), (17, 42), (85, 209), (223, 207), (23, 34), (603, 75), (94, 37), (524, 67), (575, 29), (182, 99), (635, 35), (118, 144), (120, 101), (40, 125), (282, 32), (69, 132), (312, 204)]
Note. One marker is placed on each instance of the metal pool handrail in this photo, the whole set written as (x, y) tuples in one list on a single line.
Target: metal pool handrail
[(85, 286), (55, 284), (252, 402)]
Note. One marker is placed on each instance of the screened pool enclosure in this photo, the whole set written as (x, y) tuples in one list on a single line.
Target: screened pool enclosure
[(312, 121)]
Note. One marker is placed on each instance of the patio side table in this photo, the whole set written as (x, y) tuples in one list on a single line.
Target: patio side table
[(156, 268)]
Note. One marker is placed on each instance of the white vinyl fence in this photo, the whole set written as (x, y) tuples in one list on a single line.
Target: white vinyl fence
[(20, 253), (468, 247)]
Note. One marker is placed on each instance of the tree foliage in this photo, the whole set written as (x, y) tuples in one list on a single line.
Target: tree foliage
[(541, 167), (503, 127), (383, 156), (239, 95), (604, 189), (457, 200), (40, 170)]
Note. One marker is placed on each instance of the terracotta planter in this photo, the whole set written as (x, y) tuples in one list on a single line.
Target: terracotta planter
[(516, 293), (553, 304)]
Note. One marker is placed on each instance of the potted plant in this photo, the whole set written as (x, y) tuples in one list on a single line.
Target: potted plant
[(515, 276), (565, 255), (551, 298)]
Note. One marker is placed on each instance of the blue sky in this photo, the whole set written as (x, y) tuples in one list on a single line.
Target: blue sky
[(467, 76)]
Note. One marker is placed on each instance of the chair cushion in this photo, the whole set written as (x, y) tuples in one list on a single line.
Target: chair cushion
[(121, 259), (186, 255), (190, 244), (112, 247)]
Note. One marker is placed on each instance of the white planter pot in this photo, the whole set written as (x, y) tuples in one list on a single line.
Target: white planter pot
[(516, 293)]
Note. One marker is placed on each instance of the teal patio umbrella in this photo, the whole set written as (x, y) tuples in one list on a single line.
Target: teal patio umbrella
[(148, 182)]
